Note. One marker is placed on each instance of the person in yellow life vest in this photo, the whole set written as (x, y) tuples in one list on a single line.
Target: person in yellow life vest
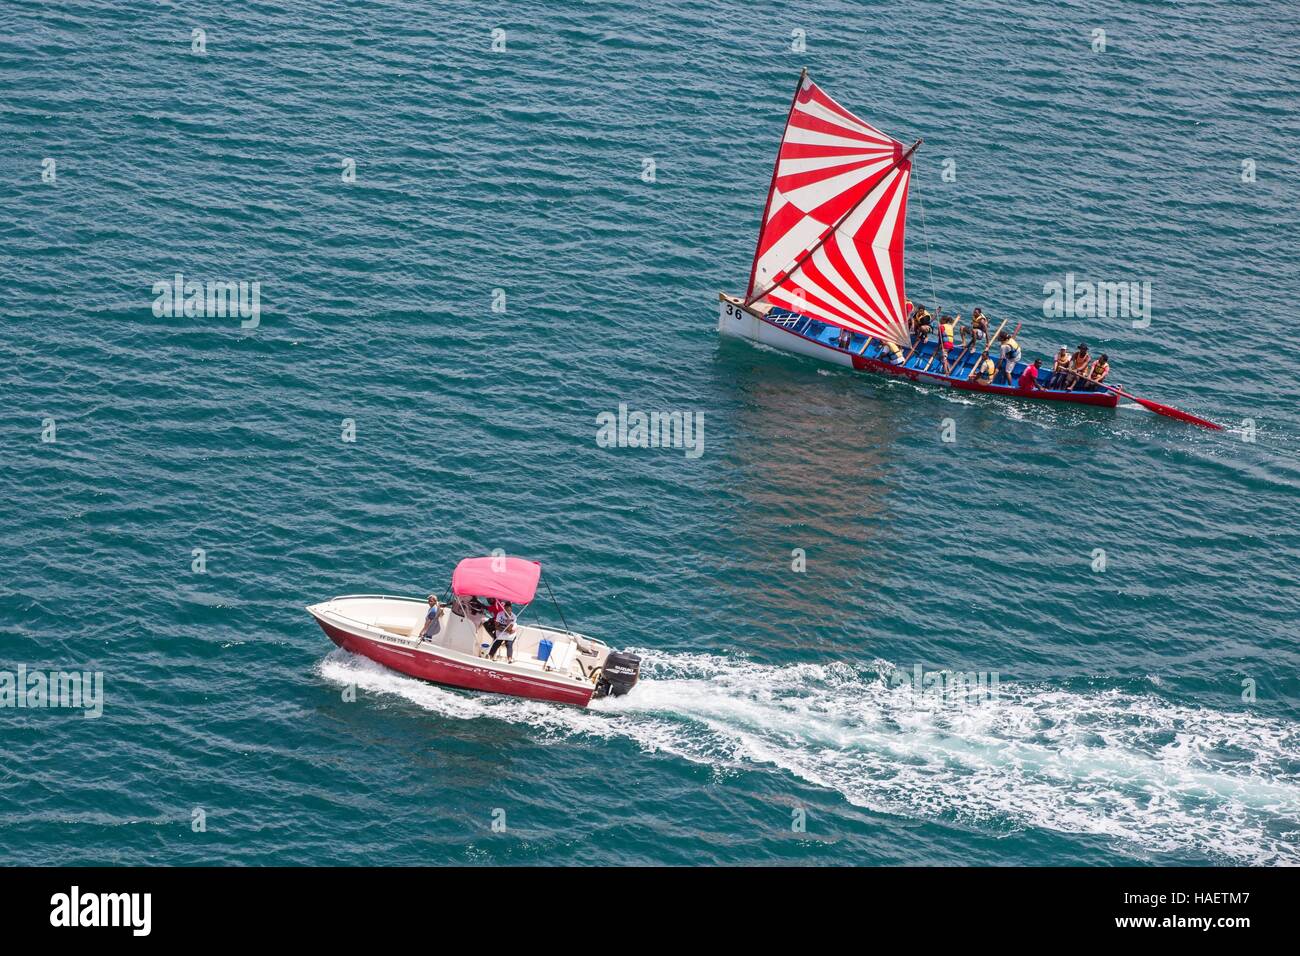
[(892, 353), (1100, 369), (1010, 355), (978, 330), (947, 327), (1060, 369), (922, 326), (920, 317), (983, 370)]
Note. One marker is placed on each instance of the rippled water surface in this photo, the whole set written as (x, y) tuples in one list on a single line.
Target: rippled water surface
[(1147, 712)]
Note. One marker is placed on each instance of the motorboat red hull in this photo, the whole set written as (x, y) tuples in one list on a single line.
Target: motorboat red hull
[(440, 669)]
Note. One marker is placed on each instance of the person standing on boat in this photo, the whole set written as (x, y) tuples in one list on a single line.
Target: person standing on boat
[(1029, 377), (947, 326), (432, 620), (504, 632), (1010, 356)]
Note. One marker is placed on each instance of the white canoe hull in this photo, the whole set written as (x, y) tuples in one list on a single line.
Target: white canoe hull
[(735, 320)]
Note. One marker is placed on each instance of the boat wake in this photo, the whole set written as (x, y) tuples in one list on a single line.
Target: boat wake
[(1152, 776)]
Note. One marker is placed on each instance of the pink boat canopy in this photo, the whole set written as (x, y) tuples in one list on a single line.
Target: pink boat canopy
[(510, 579)]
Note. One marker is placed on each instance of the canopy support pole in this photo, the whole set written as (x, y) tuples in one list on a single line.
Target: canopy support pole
[(557, 605)]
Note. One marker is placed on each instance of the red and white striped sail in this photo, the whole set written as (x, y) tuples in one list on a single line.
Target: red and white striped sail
[(830, 160)]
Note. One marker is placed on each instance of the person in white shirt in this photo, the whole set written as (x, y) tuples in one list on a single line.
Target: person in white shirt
[(505, 632), (1010, 356)]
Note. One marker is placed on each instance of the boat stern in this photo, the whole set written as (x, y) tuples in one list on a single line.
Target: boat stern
[(618, 674)]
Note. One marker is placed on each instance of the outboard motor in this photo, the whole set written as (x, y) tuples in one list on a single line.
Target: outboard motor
[(619, 675)]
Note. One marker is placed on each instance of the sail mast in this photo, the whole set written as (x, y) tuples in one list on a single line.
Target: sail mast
[(776, 166), (798, 263)]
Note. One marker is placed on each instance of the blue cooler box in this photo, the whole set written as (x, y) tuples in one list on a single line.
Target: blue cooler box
[(544, 649)]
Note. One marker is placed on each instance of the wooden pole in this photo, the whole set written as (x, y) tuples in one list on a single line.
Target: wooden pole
[(939, 352), (916, 346), (988, 344), (1002, 362), (966, 348), (1166, 410)]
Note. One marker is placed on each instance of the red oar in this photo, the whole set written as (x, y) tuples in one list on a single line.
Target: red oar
[(1159, 409)]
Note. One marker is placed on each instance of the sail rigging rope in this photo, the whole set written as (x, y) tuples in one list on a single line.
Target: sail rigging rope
[(929, 262)]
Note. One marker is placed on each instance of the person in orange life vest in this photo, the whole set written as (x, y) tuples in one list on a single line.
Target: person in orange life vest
[(1060, 368), (1100, 369), (1079, 363)]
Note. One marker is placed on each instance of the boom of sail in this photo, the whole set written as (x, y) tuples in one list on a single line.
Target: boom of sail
[(831, 242)]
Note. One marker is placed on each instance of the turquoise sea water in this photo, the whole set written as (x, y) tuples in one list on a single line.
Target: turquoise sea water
[(1123, 732)]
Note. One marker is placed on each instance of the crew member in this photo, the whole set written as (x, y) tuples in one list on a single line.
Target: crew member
[(1100, 369), (1010, 356), (1029, 377), (504, 632), (1079, 363), (947, 326), (432, 622), (983, 370), (1060, 368)]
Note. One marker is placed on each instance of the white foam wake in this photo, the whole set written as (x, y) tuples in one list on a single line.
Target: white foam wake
[(1151, 775)]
